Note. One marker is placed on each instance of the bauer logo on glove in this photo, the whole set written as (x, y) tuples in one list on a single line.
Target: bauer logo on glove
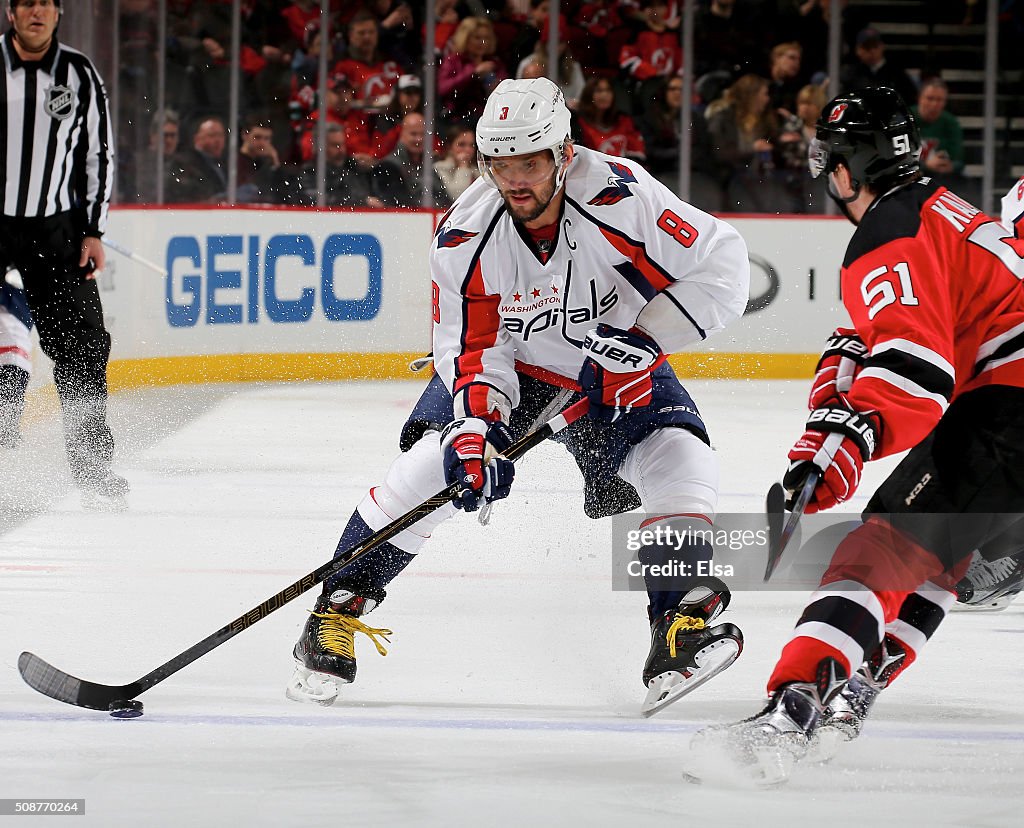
[(838, 441), (616, 374)]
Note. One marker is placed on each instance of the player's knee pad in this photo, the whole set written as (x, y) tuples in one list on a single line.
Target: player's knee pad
[(674, 472), (414, 476)]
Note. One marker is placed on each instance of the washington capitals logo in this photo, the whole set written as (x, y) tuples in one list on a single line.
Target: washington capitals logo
[(453, 237), (617, 188)]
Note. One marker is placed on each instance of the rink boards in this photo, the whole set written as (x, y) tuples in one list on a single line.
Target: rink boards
[(264, 294)]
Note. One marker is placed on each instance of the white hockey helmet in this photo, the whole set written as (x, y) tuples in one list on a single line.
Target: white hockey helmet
[(520, 117)]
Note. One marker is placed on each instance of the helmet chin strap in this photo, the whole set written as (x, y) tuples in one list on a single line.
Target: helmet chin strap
[(843, 201)]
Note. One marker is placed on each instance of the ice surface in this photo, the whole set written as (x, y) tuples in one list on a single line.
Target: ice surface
[(511, 693)]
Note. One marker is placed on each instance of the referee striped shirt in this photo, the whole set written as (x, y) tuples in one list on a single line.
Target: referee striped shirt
[(56, 149)]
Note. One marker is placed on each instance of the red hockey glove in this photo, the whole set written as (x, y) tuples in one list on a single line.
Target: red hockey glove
[(839, 365), (616, 374), (464, 446), (838, 441)]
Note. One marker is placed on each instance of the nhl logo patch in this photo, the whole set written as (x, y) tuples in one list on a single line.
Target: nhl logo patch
[(60, 102)]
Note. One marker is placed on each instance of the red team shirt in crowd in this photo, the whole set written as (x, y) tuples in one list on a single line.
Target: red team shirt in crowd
[(622, 138), (652, 55), (369, 80), (933, 287)]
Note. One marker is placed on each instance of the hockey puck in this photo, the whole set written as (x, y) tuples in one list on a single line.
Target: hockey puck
[(125, 708)]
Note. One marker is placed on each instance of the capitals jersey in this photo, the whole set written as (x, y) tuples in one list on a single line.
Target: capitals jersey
[(627, 252), (933, 287)]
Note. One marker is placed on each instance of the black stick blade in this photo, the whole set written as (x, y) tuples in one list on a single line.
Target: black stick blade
[(48, 680), (778, 540)]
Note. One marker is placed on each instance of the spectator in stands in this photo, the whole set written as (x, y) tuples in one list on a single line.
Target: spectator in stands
[(872, 68), (728, 36), (347, 183), (261, 179), (387, 126), (340, 110), (211, 64), (807, 22), (470, 71), (656, 53), (570, 73), (306, 60), (447, 17), (806, 194), (298, 15), (599, 18), (458, 169), (942, 137), (743, 128), (197, 174), (400, 32), (605, 128), (661, 129), (373, 74), (168, 130), (530, 33), (398, 179), (784, 77)]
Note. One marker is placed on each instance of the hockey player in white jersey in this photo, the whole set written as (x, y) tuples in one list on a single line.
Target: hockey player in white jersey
[(561, 273)]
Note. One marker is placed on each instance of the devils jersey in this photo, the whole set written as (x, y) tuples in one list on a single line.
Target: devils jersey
[(652, 55), (627, 252), (933, 287)]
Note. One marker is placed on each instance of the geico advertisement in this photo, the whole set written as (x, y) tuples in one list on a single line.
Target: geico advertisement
[(261, 281)]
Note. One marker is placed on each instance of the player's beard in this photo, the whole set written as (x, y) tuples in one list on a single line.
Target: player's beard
[(539, 205)]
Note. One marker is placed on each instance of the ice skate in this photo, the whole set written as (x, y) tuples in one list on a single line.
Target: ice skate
[(990, 586), (844, 716), (325, 655), (685, 651), (763, 749), (104, 492)]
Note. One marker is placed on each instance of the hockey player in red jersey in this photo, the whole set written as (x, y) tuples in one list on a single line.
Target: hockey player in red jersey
[(561, 273), (933, 288)]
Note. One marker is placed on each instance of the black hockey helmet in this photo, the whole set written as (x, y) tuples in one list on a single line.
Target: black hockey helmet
[(872, 133)]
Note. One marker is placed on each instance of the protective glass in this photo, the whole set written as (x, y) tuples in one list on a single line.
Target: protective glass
[(519, 172), (818, 156)]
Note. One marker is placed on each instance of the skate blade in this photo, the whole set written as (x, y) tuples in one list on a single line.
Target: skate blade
[(673, 685), (718, 757), (308, 687), (93, 502), (995, 605)]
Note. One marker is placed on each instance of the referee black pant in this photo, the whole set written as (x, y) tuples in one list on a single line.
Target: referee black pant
[(68, 314)]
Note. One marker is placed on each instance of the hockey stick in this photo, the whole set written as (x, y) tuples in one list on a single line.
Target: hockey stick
[(135, 257), (48, 680), (775, 505)]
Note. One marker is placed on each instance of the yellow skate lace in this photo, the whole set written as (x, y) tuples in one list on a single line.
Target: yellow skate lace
[(336, 634), (682, 623)]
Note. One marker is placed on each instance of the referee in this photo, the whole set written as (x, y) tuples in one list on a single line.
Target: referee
[(56, 175)]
